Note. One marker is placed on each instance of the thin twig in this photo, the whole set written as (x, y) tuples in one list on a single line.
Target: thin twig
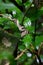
[(20, 54), (40, 48)]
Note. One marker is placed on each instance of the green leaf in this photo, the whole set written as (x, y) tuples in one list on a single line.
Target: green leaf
[(21, 47), (27, 40), (11, 7), (19, 2), (28, 3), (38, 40), (28, 24)]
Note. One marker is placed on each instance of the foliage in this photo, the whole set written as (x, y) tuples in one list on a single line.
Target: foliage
[(28, 49)]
